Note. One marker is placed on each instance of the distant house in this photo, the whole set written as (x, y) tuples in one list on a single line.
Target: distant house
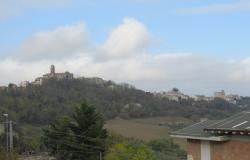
[(173, 95), (24, 84), (202, 98), (38, 81), (231, 98), (221, 94), (227, 139)]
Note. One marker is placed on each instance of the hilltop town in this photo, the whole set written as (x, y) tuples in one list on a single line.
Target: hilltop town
[(174, 95)]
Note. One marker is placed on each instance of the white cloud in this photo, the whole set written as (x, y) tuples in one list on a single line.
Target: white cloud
[(243, 5), (241, 71), (128, 39), (56, 44), (125, 58)]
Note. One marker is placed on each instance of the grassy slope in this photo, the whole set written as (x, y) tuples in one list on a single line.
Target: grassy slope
[(145, 129)]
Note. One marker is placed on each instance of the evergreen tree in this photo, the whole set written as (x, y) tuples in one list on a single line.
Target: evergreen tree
[(79, 138)]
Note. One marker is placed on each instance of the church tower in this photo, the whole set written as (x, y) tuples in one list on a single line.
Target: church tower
[(52, 69)]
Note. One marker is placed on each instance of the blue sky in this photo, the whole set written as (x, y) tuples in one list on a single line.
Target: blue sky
[(214, 30), (220, 34)]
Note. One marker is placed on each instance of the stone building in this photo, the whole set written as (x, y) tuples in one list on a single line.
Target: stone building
[(24, 84), (202, 98), (53, 75), (38, 81), (227, 139), (173, 95), (220, 94), (231, 98), (58, 76)]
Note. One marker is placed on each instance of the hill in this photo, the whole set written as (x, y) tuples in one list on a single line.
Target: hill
[(40, 105)]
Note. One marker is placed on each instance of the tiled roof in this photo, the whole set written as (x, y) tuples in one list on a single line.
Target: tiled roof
[(195, 129), (237, 124)]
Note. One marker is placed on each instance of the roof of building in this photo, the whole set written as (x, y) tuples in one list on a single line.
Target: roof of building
[(196, 129), (238, 124)]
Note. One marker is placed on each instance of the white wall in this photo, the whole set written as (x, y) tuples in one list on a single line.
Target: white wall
[(205, 150)]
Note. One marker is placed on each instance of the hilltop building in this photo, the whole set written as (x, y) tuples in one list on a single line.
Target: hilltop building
[(173, 95), (227, 139), (58, 76), (202, 98), (24, 84), (221, 94), (230, 98), (53, 75)]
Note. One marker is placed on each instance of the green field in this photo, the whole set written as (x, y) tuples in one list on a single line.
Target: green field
[(144, 129)]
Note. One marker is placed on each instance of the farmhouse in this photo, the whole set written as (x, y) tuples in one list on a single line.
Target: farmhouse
[(227, 139)]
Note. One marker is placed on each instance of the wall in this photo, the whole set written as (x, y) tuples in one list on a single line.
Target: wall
[(194, 149), (205, 150), (231, 150)]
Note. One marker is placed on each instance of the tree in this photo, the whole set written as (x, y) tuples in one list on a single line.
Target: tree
[(167, 149), (58, 138), (81, 137), (128, 151)]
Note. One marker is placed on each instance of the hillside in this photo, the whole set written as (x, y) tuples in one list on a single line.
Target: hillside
[(145, 128), (40, 105)]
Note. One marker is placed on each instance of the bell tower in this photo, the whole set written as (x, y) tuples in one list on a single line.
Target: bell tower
[(52, 69)]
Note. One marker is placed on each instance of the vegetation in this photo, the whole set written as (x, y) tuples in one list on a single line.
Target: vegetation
[(167, 149), (125, 151), (40, 105), (160, 149), (81, 137), (34, 107), (5, 156), (138, 130)]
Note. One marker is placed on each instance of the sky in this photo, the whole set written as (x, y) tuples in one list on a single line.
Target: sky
[(197, 46)]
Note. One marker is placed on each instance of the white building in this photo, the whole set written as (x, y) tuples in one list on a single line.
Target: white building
[(24, 84), (201, 98), (174, 95)]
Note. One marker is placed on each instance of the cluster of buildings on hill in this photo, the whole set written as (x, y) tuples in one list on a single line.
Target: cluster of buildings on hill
[(64, 76), (52, 75), (40, 80), (176, 95), (173, 95)]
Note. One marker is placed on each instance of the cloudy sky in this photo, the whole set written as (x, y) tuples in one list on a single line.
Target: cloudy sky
[(197, 46)]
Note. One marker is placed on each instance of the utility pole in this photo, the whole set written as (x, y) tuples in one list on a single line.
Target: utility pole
[(7, 132), (11, 136), (100, 155)]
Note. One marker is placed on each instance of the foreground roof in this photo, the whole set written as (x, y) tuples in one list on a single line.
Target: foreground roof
[(238, 124), (196, 131)]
